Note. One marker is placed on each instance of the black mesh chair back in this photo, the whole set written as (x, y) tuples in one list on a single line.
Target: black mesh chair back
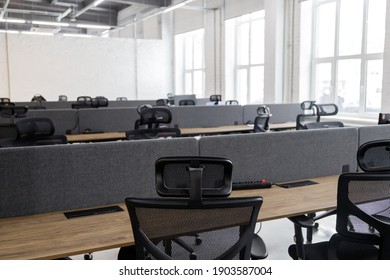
[(121, 98), (231, 102), (318, 125), (62, 98), (159, 220), (34, 132), (153, 133), (216, 98), (261, 123), (204, 183), (363, 217), (152, 117), (262, 119), (187, 102), (374, 156), (303, 120)]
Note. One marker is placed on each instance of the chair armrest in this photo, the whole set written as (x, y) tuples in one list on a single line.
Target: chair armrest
[(302, 221)]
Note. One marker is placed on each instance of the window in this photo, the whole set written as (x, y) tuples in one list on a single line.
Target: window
[(347, 59), (189, 63), (245, 58)]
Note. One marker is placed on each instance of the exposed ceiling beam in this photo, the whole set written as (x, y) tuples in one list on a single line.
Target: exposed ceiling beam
[(4, 9)]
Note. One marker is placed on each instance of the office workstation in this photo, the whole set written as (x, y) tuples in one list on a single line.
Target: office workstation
[(188, 53)]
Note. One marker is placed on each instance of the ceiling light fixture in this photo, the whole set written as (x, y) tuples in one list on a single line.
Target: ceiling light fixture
[(37, 33), (77, 35), (50, 23), (12, 20), (9, 31), (93, 26)]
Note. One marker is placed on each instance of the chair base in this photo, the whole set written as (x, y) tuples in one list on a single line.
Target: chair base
[(258, 250)]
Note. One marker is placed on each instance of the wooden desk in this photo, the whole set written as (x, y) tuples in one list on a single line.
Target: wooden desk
[(94, 137), (112, 136), (216, 130), (49, 236)]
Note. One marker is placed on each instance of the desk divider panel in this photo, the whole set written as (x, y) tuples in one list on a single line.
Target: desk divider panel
[(280, 112), (375, 132), (284, 156), (107, 119), (206, 116), (64, 177)]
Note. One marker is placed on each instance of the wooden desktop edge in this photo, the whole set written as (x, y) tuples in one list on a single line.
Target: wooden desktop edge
[(184, 131), (52, 235)]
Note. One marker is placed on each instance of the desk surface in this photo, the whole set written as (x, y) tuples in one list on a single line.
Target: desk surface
[(112, 136), (51, 235), (91, 137)]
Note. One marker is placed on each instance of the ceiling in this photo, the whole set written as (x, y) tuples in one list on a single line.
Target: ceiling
[(68, 16)]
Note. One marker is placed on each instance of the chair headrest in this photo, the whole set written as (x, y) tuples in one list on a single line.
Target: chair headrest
[(34, 127), (154, 115), (374, 156)]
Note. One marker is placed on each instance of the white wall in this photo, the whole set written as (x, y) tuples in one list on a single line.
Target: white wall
[(4, 91), (57, 65)]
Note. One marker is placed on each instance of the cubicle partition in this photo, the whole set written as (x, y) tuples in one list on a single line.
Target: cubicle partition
[(206, 116), (375, 132), (284, 156), (107, 119), (48, 104), (63, 177), (281, 113), (64, 119)]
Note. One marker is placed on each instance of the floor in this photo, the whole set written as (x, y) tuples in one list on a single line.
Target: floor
[(277, 234)]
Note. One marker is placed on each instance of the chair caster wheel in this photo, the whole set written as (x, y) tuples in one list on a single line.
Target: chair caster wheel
[(193, 256), (198, 241), (88, 257)]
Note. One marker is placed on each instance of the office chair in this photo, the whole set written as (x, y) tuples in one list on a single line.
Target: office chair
[(62, 98), (318, 125), (363, 197), (231, 102), (303, 119), (205, 183), (216, 98), (262, 119), (152, 117), (34, 132), (89, 102), (13, 112), (187, 102), (162, 102), (4, 100), (384, 118), (38, 98), (121, 99)]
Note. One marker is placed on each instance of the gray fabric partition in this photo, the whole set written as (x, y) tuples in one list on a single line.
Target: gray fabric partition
[(48, 104), (283, 156), (130, 103), (371, 133), (56, 178), (64, 119), (107, 119), (280, 112), (205, 116)]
